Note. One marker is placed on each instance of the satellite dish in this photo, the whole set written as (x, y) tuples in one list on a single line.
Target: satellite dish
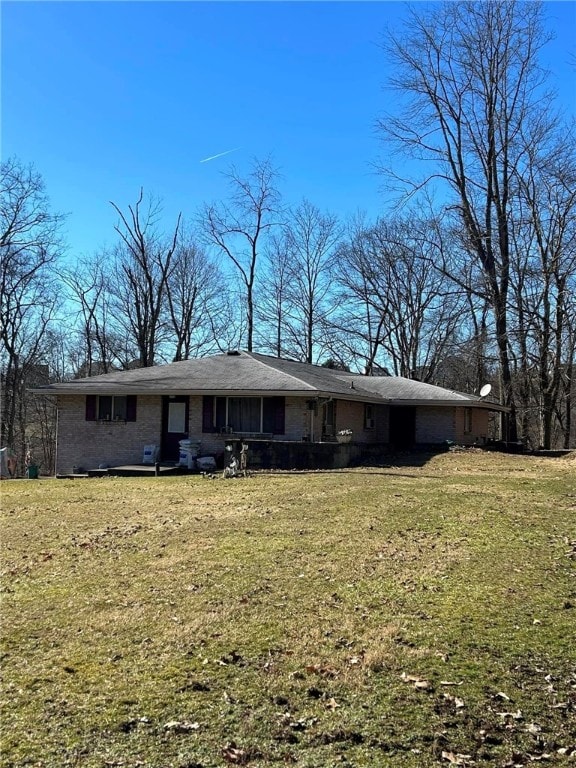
[(486, 389)]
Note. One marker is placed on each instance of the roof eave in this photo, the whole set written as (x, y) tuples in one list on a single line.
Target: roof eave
[(134, 389), (451, 403)]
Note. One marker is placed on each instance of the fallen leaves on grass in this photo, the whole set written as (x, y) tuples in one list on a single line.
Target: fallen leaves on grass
[(231, 658), (238, 755), (458, 702), (512, 715), (457, 759), (104, 589), (102, 538), (181, 726), (323, 671), (233, 754), (418, 682)]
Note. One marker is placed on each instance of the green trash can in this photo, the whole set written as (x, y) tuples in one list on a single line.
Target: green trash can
[(32, 472)]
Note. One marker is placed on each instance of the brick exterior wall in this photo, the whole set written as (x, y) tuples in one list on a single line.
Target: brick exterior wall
[(435, 424), (87, 444), (297, 417), (209, 443), (350, 415), (480, 427)]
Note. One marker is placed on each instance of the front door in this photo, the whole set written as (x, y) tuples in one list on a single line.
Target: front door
[(402, 427), (174, 426)]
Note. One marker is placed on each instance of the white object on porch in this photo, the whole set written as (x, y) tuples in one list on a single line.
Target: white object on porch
[(150, 454), (189, 450)]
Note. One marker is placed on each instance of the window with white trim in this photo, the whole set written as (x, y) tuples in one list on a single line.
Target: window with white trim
[(368, 416)]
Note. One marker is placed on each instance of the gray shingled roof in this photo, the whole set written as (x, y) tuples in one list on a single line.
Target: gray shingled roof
[(249, 373)]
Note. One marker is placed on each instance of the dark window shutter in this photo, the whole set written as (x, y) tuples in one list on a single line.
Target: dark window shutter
[(91, 407), (220, 414), (131, 408), (274, 415), (208, 413)]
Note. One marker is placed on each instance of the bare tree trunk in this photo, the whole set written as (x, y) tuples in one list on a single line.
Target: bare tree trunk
[(411, 314), (30, 245), (237, 229), (144, 263), (471, 75), (311, 241), (194, 293)]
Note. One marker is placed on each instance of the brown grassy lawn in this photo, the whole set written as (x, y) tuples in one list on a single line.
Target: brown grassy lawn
[(402, 616)]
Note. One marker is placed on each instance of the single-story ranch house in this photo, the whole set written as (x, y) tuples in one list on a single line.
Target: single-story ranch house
[(289, 413)]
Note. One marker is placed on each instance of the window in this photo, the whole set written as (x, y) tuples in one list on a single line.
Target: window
[(368, 416), (177, 417), (110, 407), (467, 421), (243, 414)]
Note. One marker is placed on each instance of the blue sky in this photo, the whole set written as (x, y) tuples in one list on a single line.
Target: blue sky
[(106, 97)]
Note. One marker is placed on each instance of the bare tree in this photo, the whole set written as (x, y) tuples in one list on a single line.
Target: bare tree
[(143, 265), (30, 245), (311, 238), (237, 228), (404, 305), (196, 297), (473, 350), (356, 330), (274, 297), (96, 340), (475, 100), (566, 406), (543, 277)]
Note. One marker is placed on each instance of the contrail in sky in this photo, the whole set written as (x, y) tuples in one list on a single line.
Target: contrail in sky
[(220, 154)]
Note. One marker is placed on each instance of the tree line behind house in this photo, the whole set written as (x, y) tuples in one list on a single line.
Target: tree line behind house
[(470, 278)]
